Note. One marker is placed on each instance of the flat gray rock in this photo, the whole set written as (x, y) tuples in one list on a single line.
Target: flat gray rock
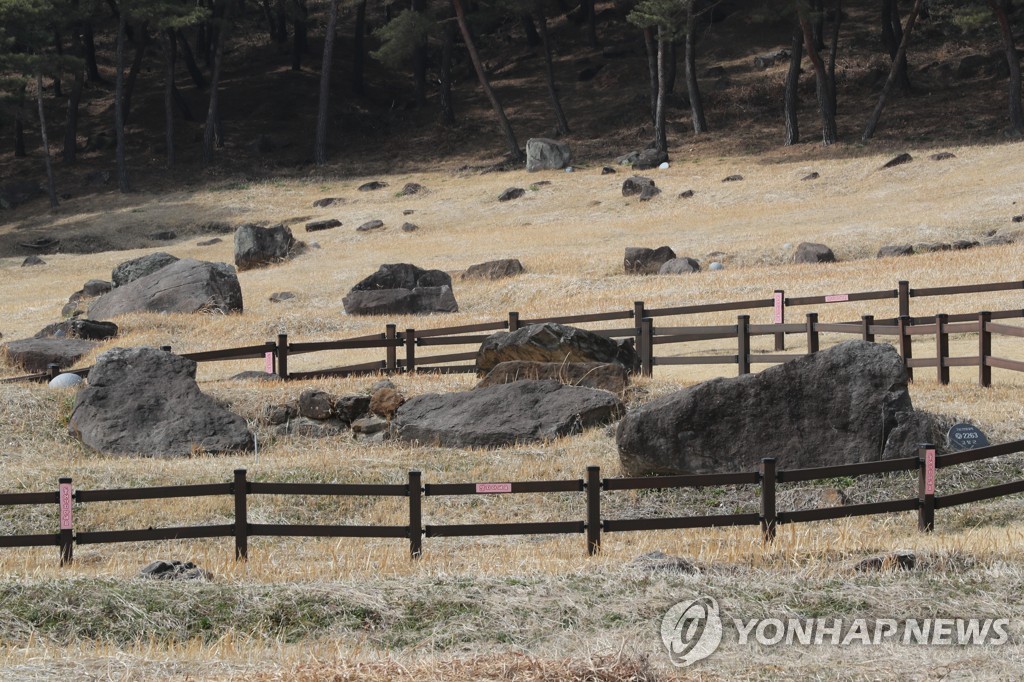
[(36, 354), (185, 286), (136, 268)]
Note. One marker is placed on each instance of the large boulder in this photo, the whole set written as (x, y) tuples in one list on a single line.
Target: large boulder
[(606, 376), (134, 269), (845, 405), (185, 286), (256, 246), (545, 154), (145, 401), (520, 412), (640, 260), (552, 342), (36, 354), (809, 252), (402, 289)]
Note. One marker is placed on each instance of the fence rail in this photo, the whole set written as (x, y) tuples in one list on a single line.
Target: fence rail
[(924, 501), (647, 336)]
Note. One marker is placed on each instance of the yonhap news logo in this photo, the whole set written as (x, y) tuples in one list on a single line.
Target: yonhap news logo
[(692, 631)]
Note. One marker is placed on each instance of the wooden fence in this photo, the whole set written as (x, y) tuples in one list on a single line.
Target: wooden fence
[(403, 350), (924, 500)]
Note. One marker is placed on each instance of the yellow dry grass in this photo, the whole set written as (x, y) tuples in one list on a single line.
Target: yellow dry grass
[(570, 235)]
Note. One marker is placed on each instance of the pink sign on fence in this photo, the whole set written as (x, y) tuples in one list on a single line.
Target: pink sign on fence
[(837, 298), (493, 487), (66, 520), (268, 363), (929, 472), (778, 307)]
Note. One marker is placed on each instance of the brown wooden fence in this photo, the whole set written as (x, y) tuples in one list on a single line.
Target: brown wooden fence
[(923, 499), (409, 350)]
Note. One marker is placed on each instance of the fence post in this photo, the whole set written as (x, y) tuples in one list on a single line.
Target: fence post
[(647, 346), (942, 347), (984, 349), (904, 296), (415, 515), (638, 343), (812, 333), (391, 351), (513, 321), (240, 490), (767, 472), (780, 318), (271, 352), (410, 350), (926, 488), (66, 498), (282, 356), (593, 510), (866, 322), (906, 349), (52, 370), (743, 343)]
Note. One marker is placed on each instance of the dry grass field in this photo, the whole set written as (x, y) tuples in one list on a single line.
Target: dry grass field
[(530, 608)]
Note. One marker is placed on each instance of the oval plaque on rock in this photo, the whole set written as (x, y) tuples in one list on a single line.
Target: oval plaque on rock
[(966, 437)]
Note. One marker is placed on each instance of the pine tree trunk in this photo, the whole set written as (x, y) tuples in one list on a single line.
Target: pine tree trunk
[(549, 73), (892, 35), (890, 82), (791, 97), (122, 166), (419, 62), (660, 136), (70, 150), (671, 67), (700, 124), (323, 112), (210, 133), (515, 153), (359, 50), (51, 188), (169, 55), (826, 98), (533, 38), (191, 66), (133, 73), (89, 42), (1016, 113), (833, 50), (447, 111), (818, 28), (58, 46), (652, 70)]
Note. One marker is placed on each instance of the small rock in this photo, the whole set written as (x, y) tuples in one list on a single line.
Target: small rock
[(315, 404), (210, 242), (963, 244), (279, 296), (732, 178), (808, 252), (810, 176), (66, 380), (639, 185), (318, 225), (679, 266), (896, 250), (647, 159), (686, 194), (408, 211), (608, 170), (328, 201), (174, 570), (495, 269), (1018, 219), (409, 227), (370, 225), (253, 375), (411, 188), (280, 414), (898, 160), (32, 260), (716, 266), (371, 186), (385, 402), (383, 383), (942, 156), (929, 247), (902, 560), (663, 165), (369, 425), (639, 260), (659, 561), (511, 193)]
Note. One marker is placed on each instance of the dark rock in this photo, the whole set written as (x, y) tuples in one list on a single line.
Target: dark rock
[(643, 261), (14, 193), (844, 405), (732, 178), (896, 250), (385, 402), (898, 160), (765, 61), (257, 246), (164, 236), (545, 154), (349, 408), (963, 244), (401, 301), (316, 404), (403, 276), (371, 186), (210, 242), (36, 354), (280, 414), (279, 296), (639, 185), (408, 211), (679, 266), (929, 247), (371, 428), (131, 270), (600, 375), (540, 183), (318, 225), (608, 170), (810, 176), (507, 414), (897, 561), (495, 269), (942, 156), (328, 201), (661, 562), (32, 260), (185, 286), (808, 252), (647, 159), (553, 343), (1017, 219), (78, 329), (146, 401), (511, 193), (686, 194), (411, 188), (409, 227), (174, 570), (370, 225)]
